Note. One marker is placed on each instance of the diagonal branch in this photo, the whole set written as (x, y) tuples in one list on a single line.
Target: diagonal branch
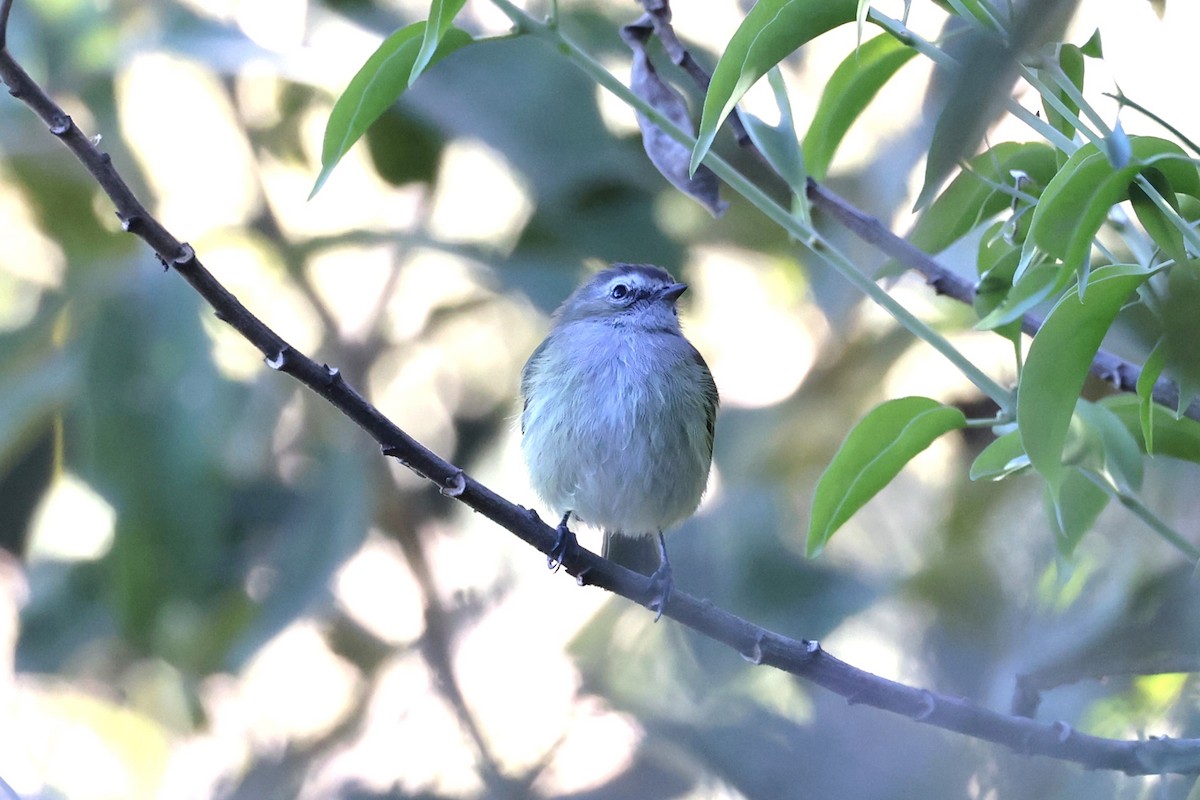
[(805, 659), (1106, 366)]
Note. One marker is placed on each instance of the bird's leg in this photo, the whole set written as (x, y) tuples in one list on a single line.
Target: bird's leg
[(564, 544), (662, 583)]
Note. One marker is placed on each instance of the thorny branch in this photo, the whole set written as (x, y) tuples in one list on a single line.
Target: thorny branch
[(758, 645)]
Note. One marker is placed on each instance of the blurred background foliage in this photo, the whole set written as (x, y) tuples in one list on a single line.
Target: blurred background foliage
[(214, 586)]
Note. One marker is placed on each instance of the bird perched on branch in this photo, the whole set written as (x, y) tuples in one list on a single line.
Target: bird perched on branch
[(619, 418)]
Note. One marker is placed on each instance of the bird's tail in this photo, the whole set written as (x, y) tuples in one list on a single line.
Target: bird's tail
[(638, 553)]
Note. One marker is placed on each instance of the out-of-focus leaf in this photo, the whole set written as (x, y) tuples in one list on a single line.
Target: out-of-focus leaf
[(770, 32), (997, 265), (1058, 363), (442, 13), (669, 156), (1156, 362), (1073, 508), (1181, 330), (982, 82), (973, 101), (34, 386), (850, 89), (378, 84), (873, 453), (1117, 147), (1177, 438), (1094, 47), (403, 149), (1070, 61), (1168, 237), (1078, 199), (976, 195), (1001, 458)]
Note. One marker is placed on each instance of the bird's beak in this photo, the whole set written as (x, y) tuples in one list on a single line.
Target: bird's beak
[(672, 292)]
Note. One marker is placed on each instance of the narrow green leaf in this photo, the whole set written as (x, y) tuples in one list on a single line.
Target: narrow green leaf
[(1174, 437), (1001, 458), (1156, 362), (778, 143), (1070, 61), (874, 452), (997, 264), (971, 103), (1073, 509), (770, 32), (1078, 199), (1168, 237), (444, 12), (1058, 362), (1036, 285), (976, 195), (850, 89), (1181, 330), (378, 84), (1117, 452)]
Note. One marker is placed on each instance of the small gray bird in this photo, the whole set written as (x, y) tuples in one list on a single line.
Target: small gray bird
[(619, 417)]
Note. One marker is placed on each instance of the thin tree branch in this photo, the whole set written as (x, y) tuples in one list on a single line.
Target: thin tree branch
[(1106, 366), (1028, 693), (803, 658)]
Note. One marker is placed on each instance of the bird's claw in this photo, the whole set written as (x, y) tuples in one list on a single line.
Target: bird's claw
[(565, 545), (662, 581), (662, 584)]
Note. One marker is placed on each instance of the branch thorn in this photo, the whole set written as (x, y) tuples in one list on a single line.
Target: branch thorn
[(454, 485), (185, 256), (279, 360), (60, 124)]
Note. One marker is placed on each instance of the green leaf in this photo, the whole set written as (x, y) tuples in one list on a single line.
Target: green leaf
[(770, 32), (1181, 330), (1161, 230), (1058, 363), (1078, 199), (1070, 61), (444, 11), (971, 103), (1094, 47), (976, 195), (1116, 452), (874, 452), (1156, 362), (1073, 509), (1001, 458), (1174, 437), (778, 143), (378, 84), (997, 264), (1037, 284), (850, 89)]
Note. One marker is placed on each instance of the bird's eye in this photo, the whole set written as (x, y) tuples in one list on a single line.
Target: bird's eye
[(619, 291)]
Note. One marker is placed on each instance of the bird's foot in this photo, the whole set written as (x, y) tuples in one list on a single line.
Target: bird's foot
[(565, 544), (662, 582)]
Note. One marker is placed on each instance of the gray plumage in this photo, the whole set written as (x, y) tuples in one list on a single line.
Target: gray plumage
[(619, 407)]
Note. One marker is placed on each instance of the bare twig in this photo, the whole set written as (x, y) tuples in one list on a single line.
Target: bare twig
[(1028, 692), (756, 644)]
